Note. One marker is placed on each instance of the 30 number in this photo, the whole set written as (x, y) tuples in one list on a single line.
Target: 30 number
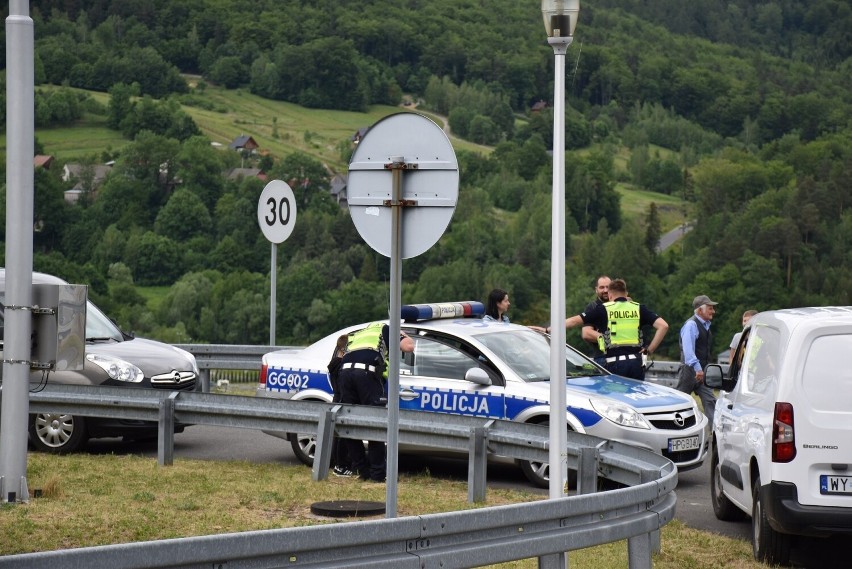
[(279, 214)]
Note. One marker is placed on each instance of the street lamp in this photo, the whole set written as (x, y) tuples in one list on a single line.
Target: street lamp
[(560, 18)]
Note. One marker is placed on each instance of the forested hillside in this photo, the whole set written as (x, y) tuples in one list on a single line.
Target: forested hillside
[(741, 109)]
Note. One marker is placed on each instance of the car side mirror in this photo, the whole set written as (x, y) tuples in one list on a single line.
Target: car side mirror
[(714, 378), (478, 376)]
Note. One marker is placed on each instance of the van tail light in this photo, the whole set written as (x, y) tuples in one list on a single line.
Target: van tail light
[(263, 370), (783, 435)]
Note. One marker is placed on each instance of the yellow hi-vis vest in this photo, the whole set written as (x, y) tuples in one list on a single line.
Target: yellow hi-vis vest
[(370, 338), (622, 325)]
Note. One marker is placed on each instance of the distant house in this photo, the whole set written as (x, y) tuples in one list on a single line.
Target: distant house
[(359, 134), (244, 142), (85, 178), (239, 173), (338, 189), (539, 106), (42, 161)]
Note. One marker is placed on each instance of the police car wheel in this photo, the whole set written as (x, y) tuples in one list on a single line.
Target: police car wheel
[(57, 433), (539, 472), (304, 446)]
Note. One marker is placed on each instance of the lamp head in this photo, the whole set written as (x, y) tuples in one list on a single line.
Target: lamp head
[(560, 17)]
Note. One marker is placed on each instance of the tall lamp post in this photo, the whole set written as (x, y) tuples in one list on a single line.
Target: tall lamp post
[(560, 18)]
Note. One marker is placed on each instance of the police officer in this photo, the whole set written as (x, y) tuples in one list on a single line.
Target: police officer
[(362, 382), (616, 325)]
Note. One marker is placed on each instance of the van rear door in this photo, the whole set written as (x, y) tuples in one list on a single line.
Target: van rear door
[(823, 418)]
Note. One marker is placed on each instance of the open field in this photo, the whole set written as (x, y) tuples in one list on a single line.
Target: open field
[(673, 211), (279, 128), (92, 500)]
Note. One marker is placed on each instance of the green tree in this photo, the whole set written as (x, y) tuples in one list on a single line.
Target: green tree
[(199, 166), (653, 228), (154, 259), (184, 216)]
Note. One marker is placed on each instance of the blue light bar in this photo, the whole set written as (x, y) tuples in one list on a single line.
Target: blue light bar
[(464, 309)]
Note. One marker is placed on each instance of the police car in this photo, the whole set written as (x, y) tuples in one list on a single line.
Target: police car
[(510, 380)]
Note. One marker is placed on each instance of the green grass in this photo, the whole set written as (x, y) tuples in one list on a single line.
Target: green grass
[(90, 500), (635, 203), (279, 128), (154, 295)]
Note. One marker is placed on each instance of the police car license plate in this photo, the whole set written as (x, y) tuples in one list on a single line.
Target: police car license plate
[(686, 443), (835, 484)]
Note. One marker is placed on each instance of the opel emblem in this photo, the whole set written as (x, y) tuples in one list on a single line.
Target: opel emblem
[(678, 419), (176, 379)]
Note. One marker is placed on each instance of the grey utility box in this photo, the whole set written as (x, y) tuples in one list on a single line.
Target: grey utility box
[(59, 327)]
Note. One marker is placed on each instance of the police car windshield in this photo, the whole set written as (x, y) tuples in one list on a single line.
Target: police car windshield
[(528, 354)]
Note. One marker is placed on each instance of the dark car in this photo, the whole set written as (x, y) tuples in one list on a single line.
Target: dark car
[(112, 358)]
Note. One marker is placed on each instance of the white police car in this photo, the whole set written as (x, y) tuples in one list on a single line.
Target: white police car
[(514, 383)]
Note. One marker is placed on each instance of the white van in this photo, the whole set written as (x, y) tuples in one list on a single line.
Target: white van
[(781, 448)]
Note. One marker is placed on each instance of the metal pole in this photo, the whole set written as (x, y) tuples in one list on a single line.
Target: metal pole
[(397, 167), (20, 142), (273, 284), (558, 468)]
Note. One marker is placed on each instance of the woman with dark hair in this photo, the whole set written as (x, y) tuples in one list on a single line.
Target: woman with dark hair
[(497, 306)]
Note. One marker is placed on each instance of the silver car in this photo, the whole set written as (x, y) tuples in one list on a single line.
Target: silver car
[(468, 366), (112, 358)]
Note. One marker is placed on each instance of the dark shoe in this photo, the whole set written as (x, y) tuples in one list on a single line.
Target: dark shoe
[(343, 472)]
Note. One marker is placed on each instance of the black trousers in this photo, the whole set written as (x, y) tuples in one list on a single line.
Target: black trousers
[(362, 387)]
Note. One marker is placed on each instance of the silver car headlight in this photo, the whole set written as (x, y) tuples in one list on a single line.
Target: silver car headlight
[(620, 414), (116, 368)]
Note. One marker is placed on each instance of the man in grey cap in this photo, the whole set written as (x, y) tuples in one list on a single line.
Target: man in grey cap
[(695, 339)]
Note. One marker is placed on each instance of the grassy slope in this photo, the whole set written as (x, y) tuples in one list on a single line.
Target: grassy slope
[(281, 128)]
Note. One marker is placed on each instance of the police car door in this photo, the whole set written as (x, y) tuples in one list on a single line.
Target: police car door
[(432, 379)]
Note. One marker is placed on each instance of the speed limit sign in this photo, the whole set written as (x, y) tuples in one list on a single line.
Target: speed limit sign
[(276, 211)]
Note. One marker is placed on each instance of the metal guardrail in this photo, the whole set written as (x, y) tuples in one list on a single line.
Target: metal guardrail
[(446, 540), (228, 357)]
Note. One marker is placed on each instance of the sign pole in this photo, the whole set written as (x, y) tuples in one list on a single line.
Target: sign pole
[(397, 165), (273, 278)]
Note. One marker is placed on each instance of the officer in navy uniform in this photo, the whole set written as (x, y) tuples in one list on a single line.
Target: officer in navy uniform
[(616, 325), (362, 382)]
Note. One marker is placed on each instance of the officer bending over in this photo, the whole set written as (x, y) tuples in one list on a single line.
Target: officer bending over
[(362, 382)]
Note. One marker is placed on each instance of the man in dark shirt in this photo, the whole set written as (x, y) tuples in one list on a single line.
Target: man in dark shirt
[(616, 325)]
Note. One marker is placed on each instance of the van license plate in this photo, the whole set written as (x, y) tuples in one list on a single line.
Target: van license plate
[(835, 484), (686, 443)]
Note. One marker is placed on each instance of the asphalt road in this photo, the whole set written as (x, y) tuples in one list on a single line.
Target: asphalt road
[(693, 489)]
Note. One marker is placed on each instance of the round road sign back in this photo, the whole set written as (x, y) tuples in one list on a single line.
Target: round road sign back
[(430, 183), (276, 211)]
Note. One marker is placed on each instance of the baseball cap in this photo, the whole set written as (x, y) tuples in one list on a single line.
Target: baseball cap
[(701, 300)]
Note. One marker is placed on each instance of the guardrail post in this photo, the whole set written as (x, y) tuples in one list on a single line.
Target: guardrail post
[(648, 476), (205, 380), (587, 469), (322, 453), (477, 465), (166, 430), (640, 547), (639, 551)]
